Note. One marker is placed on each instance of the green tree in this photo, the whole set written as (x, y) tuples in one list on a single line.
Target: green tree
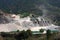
[(22, 35), (41, 30), (48, 34), (18, 31), (25, 14), (29, 32)]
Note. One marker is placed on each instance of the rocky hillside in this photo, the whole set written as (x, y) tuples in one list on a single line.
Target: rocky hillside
[(12, 22), (5, 18), (50, 8)]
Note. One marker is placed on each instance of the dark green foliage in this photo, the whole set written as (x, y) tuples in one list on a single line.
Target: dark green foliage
[(41, 30), (3, 34), (27, 7), (54, 2), (18, 31), (29, 32), (23, 35), (19, 5), (25, 14), (17, 35), (20, 36), (26, 35), (48, 34)]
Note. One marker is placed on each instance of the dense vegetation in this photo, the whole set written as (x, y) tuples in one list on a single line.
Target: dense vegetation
[(27, 35), (25, 7)]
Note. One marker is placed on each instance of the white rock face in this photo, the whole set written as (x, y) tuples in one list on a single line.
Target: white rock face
[(25, 23)]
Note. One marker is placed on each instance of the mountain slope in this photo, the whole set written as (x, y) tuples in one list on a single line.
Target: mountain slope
[(32, 6)]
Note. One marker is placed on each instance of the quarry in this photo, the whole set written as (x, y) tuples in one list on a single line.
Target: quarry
[(13, 22)]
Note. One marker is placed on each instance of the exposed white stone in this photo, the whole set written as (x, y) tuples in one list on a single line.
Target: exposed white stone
[(24, 24)]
